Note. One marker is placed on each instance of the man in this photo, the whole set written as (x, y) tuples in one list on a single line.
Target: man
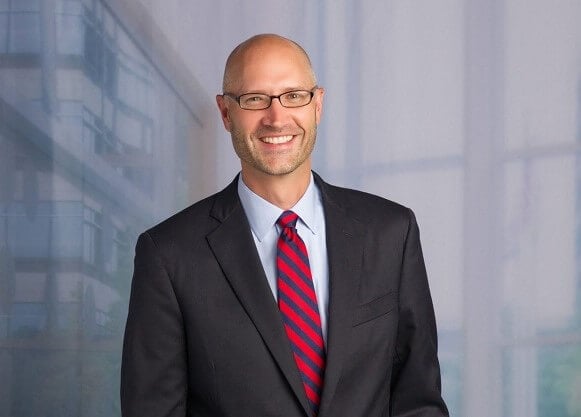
[(239, 307)]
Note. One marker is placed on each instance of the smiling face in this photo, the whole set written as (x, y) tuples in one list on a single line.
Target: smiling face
[(275, 141)]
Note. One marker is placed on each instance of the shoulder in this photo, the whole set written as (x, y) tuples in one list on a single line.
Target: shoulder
[(365, 207), (199, 219)]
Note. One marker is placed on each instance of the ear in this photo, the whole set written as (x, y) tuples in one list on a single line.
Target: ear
[(224, 111), (319, 93)]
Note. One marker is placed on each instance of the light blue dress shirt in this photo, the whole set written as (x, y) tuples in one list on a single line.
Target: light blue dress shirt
[(262, 217)]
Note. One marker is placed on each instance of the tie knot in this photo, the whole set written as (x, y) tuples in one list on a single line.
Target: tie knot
[(287, 219)]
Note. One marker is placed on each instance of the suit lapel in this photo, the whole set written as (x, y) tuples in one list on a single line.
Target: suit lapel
[(235, 251), (345, 253)]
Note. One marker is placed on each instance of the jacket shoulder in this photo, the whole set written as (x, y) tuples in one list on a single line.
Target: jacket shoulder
[(196, 220), (366, 207)]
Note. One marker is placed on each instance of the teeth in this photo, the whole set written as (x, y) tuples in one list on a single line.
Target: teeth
[(277, 139)]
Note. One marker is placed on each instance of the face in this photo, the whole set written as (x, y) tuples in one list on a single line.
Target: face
[(277, 140)]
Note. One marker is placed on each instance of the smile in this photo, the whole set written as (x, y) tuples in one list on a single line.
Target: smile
[(277, 139)]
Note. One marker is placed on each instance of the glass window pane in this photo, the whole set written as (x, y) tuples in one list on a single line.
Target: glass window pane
[(25, 33), (26, 5), (559, 379), (70, 33), (3, 32), (27, 319)]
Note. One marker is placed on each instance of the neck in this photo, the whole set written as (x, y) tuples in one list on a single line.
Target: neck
[(284, 191)]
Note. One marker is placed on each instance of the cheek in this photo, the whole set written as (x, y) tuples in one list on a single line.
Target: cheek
[(307, 119), (245, 125)]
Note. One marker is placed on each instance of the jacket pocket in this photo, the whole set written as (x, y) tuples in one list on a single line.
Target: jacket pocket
[(376, 308)]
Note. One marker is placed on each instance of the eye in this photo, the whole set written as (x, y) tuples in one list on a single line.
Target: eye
[(253, 99), (296, 97)]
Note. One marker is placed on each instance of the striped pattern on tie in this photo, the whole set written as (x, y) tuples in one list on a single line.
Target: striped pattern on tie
[(298, 305)]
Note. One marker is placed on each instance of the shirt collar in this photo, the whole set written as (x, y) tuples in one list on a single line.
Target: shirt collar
[(262, 215)]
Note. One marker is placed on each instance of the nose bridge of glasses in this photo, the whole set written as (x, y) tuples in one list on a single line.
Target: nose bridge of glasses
[(276, 110), (279, 98), (276, 114)]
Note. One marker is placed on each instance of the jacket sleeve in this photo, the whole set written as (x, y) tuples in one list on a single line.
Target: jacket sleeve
[(153, 370), (416, 384)]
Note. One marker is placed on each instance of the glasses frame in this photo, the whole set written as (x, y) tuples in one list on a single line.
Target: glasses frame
[(237, 98)]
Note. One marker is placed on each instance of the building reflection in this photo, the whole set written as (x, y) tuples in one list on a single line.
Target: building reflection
[(98, 140)]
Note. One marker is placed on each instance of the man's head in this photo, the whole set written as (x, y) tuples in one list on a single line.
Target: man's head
[(276, 140), (231, 71)]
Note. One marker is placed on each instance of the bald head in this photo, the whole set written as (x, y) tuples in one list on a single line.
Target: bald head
[(255, 48)]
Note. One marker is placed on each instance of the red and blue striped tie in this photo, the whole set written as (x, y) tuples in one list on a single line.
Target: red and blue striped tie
[(298, 305)]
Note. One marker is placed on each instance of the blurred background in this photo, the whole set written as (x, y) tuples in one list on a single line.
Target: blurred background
[(467, 111)]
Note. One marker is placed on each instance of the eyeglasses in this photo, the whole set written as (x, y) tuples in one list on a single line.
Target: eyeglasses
[(257, 101)]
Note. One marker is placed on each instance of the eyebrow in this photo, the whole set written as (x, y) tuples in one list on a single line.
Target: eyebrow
[(283, 90)]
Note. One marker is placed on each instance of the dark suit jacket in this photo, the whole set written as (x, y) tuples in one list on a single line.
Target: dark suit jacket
[(204, 336)]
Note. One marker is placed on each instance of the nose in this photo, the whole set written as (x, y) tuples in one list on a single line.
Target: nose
[(275, 115)]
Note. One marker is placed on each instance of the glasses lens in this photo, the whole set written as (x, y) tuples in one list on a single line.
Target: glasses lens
[(296, 98), (254, 101)]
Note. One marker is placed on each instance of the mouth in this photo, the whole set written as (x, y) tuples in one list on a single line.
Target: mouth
[(276, 140)]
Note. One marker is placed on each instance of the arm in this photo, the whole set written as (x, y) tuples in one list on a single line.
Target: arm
[(153, 370), (415, 385)]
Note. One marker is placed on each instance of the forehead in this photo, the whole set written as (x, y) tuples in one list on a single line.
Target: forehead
[(271, 66)]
